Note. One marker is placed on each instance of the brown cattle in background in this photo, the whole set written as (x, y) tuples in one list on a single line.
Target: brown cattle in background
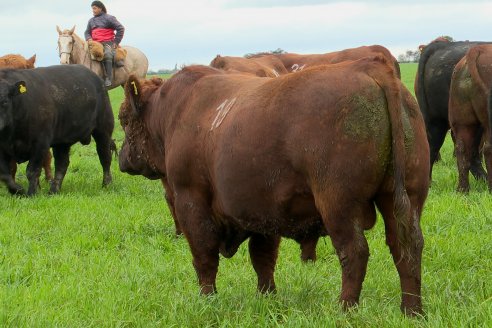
[(296, 62), (249, 157), (261, 66), (19, 62), (470, 114)]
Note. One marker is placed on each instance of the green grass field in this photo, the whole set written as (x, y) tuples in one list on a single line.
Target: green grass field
[(94, 257)]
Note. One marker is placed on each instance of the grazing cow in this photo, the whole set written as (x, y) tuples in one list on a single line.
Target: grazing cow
[(267, 66), (294, 156), (432, 82), (469, 113), (17, 61), (55, 107), (296, 62)]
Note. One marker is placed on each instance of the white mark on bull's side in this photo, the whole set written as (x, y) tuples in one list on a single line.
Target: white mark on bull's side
[(275, 73), (222, 111), (296, 67)]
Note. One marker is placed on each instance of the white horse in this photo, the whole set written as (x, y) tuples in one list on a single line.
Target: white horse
[(74, 50)]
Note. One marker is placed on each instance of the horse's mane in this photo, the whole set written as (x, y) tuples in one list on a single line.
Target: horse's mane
[(76, 38)]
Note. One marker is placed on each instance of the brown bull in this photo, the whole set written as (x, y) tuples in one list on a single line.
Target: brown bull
[(470, 111), (267, 66), (296, 62), (294, 156), (19, 62)]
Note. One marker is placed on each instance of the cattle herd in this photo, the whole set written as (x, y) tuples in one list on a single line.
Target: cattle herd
[(269, 146)]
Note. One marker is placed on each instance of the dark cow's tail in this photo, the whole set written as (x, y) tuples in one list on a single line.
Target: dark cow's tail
[(384, 74)]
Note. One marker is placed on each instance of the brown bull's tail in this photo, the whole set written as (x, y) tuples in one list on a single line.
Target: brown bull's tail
[(385, 76)]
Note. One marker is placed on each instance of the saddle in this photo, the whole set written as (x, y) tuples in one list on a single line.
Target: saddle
[(96, 50)]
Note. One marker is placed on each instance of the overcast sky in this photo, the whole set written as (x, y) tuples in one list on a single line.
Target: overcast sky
[(195, 31)]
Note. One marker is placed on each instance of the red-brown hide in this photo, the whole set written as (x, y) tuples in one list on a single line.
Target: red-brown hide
[(267, 66), (469, 115), (296, 62), (17, 61), (248, 157)]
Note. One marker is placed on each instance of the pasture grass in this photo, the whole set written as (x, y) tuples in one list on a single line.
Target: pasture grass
[(108, 257)]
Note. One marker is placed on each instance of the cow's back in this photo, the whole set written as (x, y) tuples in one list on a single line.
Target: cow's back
[(435, 69), (63, 102), (287, 135)]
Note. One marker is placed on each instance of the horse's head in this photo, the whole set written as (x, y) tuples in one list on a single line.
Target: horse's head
[(65, 44)]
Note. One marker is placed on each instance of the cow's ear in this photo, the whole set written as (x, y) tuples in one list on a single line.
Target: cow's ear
[(18, 88), (133, 91), (31, 60)]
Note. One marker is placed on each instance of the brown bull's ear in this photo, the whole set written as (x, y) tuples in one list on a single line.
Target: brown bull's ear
[(31, 60), (133, 91), (18, 88)]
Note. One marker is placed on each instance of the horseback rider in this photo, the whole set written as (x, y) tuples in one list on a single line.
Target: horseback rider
[(102, 28)]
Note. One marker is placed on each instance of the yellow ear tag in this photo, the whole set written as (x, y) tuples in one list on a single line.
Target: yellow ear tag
[(135, 90), (22, 88)]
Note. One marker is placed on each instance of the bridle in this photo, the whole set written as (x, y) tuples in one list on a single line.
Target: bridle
[(60, 52)]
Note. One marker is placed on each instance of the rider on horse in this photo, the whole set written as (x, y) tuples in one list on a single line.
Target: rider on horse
[(102, 28)]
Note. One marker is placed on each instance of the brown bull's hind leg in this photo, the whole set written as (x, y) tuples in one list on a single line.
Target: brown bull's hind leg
[(465, 136), (193, 214), (263, 251), (344, 222), (407, 260)]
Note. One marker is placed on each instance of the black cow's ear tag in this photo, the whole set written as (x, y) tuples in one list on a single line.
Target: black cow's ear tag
[(18, 88)]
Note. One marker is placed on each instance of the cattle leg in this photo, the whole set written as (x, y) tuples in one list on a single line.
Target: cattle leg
[(61, 155), (345, 229), (6, 177), (47, 166), (436, 133), (103, 147), (33, 171), (13, 169), (465, 136), (476, 167), (203, 238), (408, 261), (308, 249), (263, 251)]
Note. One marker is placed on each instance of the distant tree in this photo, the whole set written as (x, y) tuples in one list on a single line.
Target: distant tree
[(447, 37), (410, 56), (271, 52)]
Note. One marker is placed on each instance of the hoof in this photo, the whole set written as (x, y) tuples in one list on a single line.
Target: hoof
[(107, 180)]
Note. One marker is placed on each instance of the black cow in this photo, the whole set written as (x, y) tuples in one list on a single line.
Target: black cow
[(54, 107), (435, 69)]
